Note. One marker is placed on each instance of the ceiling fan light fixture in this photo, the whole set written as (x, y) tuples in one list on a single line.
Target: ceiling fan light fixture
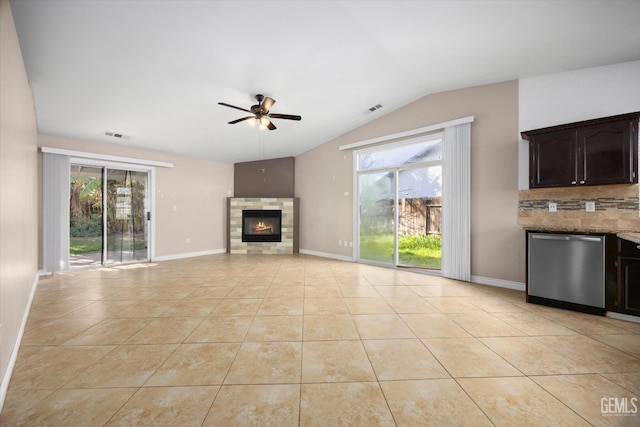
[(261, 113)]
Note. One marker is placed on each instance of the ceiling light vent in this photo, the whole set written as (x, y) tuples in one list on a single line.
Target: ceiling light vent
[(375, 107)]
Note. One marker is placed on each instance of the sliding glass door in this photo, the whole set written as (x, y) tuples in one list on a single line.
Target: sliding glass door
[(377, 216), (399, 190), (419, 206), (86, 224), (126, 216), (109, 212)]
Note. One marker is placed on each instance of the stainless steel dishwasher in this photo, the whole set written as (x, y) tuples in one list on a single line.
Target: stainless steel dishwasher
[(566, 270)]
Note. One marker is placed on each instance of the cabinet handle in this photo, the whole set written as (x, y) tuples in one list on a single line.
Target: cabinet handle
[(573, 182), (581, 182), (626, 275)]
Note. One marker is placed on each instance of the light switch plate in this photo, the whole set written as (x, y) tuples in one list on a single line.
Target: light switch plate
[(553, 207), (590, 206)]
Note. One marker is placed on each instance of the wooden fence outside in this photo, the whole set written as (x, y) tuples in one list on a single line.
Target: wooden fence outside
[(420, 216)]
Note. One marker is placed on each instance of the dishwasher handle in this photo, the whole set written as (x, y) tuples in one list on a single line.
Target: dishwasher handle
[(566, 238)]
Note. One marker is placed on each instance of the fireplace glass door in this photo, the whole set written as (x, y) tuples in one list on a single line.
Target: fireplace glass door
[(261, 226)]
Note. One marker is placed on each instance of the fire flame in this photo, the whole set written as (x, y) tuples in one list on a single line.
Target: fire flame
[(261, 227)]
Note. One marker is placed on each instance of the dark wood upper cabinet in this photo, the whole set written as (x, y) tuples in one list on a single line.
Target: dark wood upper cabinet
[(593, 152), (552, 159), (606, 151)]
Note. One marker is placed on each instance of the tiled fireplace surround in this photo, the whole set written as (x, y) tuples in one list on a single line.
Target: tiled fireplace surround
[(288, 206)]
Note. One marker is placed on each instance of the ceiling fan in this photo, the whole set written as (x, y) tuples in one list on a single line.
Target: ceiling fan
[(261, 113)]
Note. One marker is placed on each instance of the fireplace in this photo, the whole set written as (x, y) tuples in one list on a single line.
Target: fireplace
[(261, 225), (288, 210)]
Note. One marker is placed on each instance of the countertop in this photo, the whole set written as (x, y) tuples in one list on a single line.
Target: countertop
[(632, 237), (627, 235)]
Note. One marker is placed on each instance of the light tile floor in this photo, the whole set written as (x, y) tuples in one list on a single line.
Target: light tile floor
[(299, 340)]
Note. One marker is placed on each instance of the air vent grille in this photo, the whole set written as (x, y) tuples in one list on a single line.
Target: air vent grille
[(116, 135), (375, 107)]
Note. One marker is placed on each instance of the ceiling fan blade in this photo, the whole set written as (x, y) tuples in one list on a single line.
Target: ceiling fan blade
[(233, 122), (267, 104), (285, 116), (233, 106), (271, 126)]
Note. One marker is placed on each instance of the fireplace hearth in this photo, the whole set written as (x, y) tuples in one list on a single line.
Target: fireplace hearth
[(261, 225)]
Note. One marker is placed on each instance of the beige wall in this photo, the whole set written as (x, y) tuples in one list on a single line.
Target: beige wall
[(18, 189), (324, 174), (190, 197)]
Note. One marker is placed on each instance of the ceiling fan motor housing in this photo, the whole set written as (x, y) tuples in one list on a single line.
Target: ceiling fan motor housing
[(258, 109)]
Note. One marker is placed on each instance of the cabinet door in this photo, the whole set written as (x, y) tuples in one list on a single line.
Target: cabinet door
[(605, 154), (552, 159), (629, 276)]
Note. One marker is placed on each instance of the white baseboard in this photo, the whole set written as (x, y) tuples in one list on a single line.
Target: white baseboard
[(518, 286), (327, 255), (4, 386), (189, 255)]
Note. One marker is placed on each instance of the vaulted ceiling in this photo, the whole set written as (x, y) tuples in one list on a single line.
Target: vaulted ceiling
[(154, 71)]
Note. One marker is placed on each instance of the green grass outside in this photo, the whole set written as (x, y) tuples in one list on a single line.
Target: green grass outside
[(84, 245), (421, 250)]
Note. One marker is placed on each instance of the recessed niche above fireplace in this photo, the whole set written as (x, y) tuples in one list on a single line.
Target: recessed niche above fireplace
[(261, 225)]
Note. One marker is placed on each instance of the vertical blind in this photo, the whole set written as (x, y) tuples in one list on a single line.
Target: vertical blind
[(456, 204), (55, 211)]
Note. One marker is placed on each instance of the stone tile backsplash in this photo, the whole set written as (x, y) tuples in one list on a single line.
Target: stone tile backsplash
[(617, 208)]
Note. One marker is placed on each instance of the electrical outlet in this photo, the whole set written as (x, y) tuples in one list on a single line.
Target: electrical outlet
[(553, 207), (188, 240), (590, 206), (339, 242)]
